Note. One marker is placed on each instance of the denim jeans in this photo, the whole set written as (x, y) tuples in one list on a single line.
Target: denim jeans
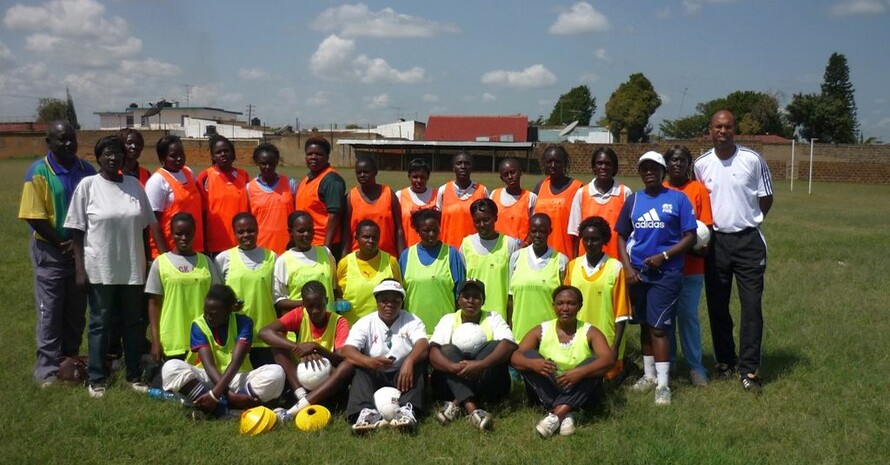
[(125, 301), (687, 323)]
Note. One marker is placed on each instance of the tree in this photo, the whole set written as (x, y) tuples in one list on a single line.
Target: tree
[(630, 107), (831, 115), (51, 109), (70, 113), (574, 105), (689, 127), (755, 112)]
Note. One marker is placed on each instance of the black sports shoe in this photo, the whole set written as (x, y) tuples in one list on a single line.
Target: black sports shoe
[(723, 371), (751, 383)]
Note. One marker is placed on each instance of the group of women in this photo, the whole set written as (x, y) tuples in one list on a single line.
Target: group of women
[(375, 282)]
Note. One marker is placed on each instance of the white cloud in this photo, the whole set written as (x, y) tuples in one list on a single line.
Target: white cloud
[(533, 76), (486, 97), (359, 21), (150, 67), (377, 102), (581, 18), (254, 74), (319, 99), (335, 60), (430, 98), (858, 7), (693, 7), (6, 55), (207, 94), (665, 99), (601, 54), (589, 77), (664, 14)]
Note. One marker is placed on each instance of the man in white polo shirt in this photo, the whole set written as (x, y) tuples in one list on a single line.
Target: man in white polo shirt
[(741, 192)]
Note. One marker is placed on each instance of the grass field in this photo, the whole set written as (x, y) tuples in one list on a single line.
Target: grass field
[(826, 370)]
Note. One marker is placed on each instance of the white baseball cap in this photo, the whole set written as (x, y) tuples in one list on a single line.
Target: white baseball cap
[(652, 156), (389, 285)]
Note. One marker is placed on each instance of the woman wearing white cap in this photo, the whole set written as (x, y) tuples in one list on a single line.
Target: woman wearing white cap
[(655, 229), (387, 348), (464, 379)]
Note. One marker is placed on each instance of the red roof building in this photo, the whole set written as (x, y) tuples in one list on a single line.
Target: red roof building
[(512, 128)]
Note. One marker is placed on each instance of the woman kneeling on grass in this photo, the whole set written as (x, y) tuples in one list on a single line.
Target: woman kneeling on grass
[(563, 361), (220, 343), (463, 379)]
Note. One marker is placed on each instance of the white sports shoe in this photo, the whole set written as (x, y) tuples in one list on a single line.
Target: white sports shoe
[(481, 419), (404, 418), (548, 425), (448, 413), (567, 427), (644, 384), (368, 419), (663, 396), (96, 391)]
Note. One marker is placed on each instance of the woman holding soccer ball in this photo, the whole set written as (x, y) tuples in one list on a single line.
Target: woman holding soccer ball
[(463, 378), (563, 362)]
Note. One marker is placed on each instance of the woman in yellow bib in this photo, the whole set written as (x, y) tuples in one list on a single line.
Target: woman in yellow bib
[(361, 270), (217, 373), (320, 334), (302, 263), (462, 379), (176, 285), (535, 271), (431, 270), (563, 361), (602, 282), (487, 255), (247, 269)]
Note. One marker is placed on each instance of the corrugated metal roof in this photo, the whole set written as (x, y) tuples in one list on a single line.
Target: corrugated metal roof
[(477, 127)]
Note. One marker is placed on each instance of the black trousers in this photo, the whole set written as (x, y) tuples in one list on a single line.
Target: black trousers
[(549, 393), (741, 255), (492, 386), (366, 382)]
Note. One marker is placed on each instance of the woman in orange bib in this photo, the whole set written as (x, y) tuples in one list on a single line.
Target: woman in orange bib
[(376, 202), (603, 197), (415, 197), (321, 194), (555, 194), (224, 194), (515, 204), (454, 201), (271, 199), (133, 145), (172, 189)]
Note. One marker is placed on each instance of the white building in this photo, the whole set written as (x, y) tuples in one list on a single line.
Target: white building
[(198, 128), (169, 118)]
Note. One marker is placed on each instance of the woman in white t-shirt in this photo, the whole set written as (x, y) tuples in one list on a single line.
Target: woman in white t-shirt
[(388, 348), (108, 217)]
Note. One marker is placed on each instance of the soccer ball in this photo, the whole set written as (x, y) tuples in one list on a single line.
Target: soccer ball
[(702, 235), (311, 377), (386, 399), (469, 338)]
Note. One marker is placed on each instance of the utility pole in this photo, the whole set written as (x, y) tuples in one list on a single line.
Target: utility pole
[(249, 113)]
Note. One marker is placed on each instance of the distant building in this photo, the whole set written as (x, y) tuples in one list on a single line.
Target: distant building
[(406, 130), (171, 117), (588, 134), (473, 128)]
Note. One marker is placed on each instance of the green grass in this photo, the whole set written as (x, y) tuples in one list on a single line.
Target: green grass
[(825, 366)]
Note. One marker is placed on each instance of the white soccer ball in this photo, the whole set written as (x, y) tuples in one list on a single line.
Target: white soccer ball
[(386, 399), (702, 235), (311, 377), (469, 338)]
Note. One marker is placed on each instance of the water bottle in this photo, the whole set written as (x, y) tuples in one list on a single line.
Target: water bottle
[(160, 394)]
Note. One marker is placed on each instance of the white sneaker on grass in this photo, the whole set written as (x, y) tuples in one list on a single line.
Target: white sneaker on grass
[(548, 425), (96, 391), (481, 419), (404, 419), (368, 419), (663, 396), (139, 387), (645, 383), (448, 413), (567, 427)]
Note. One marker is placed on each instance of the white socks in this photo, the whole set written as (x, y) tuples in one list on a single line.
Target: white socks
[(649, 366), (663, 371), (303, 403)]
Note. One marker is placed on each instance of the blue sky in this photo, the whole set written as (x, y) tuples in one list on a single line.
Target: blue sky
[(330, 62)]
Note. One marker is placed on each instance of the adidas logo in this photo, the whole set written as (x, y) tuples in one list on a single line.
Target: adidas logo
[(649, 220)]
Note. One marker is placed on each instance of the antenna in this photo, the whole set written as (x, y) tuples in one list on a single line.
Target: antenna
[(188, 93), (682, 100), (568, 129)]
